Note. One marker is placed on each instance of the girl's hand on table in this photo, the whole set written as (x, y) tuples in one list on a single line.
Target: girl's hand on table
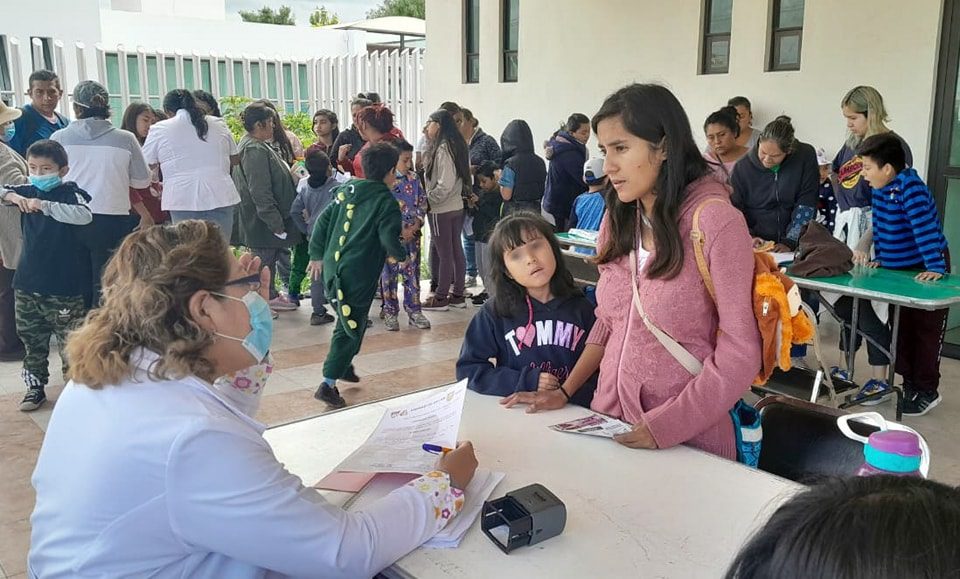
[(639, 437)]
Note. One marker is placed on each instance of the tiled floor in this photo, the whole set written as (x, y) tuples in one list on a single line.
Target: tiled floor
[(389, 364)]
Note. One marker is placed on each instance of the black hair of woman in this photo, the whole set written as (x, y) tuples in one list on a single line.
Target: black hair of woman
[(210, 101), (652, 113), (178, 99), (876, 527), (514, 230), (575, 121), (449, 134), (780, 131), (727, 117), (129, 121), (280, 132)]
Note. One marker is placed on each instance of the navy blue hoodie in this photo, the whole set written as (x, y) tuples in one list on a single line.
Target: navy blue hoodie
[(560, 330), (565, 174)]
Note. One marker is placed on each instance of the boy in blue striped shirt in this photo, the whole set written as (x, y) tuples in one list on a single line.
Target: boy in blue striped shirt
[(589, 207), (907, 234)]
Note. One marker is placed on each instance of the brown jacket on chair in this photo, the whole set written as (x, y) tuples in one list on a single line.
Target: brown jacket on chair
[(820, 254)]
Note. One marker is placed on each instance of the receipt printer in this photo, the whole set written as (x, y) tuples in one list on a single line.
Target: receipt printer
[(525, 516)]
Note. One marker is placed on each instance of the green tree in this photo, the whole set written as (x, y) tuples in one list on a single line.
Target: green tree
[(267, 15), (322, 17), (411, 8)]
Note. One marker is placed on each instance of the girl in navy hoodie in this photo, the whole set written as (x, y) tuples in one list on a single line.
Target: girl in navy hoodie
[(536, 325)]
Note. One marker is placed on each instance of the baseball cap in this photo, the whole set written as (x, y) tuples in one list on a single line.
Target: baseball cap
[(822, 157), (91, 94), (593, 170)]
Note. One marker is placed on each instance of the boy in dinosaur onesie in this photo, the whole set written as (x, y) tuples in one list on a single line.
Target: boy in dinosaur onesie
[(351, 239)]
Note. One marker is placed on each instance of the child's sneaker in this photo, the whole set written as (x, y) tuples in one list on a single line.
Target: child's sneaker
[(33, 399), (391, 322), (919, 403), (419, 320), (330, 395), (321, 318), (837, 373), (458, 301), (435, 304), (872, 387), (282, 304)]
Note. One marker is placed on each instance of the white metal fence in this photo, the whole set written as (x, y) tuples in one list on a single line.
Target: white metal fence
[(145, 76)]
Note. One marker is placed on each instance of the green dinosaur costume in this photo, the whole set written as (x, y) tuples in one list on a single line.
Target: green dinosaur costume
[(353, 236)]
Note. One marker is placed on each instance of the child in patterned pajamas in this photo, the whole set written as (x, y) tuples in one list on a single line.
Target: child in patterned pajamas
[(413, 208)]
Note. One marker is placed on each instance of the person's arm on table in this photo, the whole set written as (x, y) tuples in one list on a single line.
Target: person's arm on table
[(228, 494), (554, 397), (479, 346)]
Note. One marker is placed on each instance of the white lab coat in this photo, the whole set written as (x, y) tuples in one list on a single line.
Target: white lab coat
[(168, 479)]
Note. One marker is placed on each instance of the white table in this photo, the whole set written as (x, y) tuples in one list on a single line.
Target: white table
[(630, 513)]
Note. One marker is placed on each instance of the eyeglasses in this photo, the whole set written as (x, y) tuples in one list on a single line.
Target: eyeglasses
[(251, 281)]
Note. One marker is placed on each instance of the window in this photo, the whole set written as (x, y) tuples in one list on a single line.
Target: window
[(471, 24), (46, 53), (787, 33), (511, 30), (715, 58), (6, 85)]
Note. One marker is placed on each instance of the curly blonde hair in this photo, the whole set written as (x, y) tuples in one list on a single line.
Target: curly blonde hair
[(147, 287)]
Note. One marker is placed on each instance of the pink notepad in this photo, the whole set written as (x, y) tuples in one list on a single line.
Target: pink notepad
[(347, 482)]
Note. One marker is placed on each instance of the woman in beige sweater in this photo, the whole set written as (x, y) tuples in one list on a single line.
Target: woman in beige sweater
[(13, 171)]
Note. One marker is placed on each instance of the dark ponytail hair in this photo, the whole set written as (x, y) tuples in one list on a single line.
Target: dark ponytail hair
[(780, 131), (654, 114), (280, 133), (182, 99), (575, 121), (509, 297), (209, 100), (725, 117)]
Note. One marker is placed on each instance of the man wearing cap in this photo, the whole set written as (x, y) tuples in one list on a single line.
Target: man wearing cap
[(40, 118), (13, 171), (106, 162)]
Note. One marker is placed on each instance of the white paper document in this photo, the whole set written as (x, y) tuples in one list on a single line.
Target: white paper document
[(594, 425), (479, 490), (396, 445), (784, 257)]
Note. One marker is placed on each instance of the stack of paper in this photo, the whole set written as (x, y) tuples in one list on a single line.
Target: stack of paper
[(479, 490)]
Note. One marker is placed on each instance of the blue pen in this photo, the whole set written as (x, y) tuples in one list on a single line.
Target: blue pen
[(435, 449)]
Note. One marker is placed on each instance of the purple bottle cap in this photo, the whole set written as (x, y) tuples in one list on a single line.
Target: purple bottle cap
[(896, 442)]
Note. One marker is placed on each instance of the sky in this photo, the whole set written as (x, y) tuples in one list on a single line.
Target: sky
[(347, 10)]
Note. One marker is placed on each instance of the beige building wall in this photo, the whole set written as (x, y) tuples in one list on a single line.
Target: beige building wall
[(575, 52)]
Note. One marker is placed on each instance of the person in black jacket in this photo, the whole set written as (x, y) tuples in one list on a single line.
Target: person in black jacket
[(524, 174), (349, 142), (776, 186), (567, 152)]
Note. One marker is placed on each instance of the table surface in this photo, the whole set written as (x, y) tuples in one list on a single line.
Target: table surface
[(666, 513), (890, 286)]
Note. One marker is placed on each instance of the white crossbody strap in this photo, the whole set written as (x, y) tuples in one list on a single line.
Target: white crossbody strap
[(685, 358)]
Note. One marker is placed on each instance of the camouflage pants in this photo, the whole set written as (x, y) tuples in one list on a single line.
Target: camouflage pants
[(39, 317)]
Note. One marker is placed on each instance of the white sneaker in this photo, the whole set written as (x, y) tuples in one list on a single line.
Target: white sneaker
[(391, 322), (419, 320)]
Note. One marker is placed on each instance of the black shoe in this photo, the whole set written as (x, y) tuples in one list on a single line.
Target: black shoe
[(33, 399), (480, 298), (330, 395), (321, 319), (350, 375), (369, 323), (919, 403), (15, 356)]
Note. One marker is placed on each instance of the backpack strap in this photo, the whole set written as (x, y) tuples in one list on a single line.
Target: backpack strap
[(699, 240)]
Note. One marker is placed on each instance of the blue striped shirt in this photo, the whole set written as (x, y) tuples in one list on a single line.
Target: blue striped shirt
[(587, 213), (906, 227)]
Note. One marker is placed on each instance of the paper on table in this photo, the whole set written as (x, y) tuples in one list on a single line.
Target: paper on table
[(396, 444), (594, 425), (479, 490), (784, 257)]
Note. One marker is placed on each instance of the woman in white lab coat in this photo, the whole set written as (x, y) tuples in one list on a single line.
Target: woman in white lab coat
[(147, 470)]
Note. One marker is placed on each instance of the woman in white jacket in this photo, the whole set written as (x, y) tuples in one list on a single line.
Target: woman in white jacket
[(147, 470), (447, 172)]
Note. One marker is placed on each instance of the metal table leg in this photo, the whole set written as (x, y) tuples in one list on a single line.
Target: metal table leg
[(892, 372), (851, 351)]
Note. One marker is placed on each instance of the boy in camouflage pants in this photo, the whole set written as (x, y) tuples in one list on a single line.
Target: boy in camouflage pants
[(48, 284)]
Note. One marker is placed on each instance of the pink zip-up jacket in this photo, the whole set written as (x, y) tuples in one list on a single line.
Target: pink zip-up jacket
[(640, 381)]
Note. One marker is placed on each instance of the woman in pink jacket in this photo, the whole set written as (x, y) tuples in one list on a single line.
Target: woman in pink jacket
[(660, 179)]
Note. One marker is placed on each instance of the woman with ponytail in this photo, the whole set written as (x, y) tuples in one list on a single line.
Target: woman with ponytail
[(195, 152)]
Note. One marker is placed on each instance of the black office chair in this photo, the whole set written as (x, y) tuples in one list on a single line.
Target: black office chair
[(801, 440)]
